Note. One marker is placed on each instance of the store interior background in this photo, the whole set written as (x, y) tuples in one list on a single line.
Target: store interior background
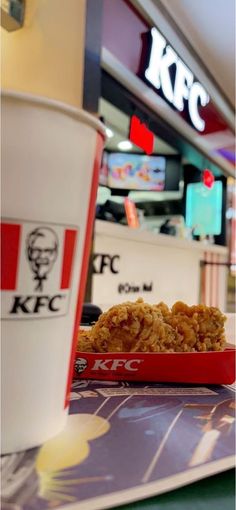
[(118, 103), (154, 208), (184, 164)]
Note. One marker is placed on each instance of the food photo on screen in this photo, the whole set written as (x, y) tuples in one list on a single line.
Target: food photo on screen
[(137, 172)]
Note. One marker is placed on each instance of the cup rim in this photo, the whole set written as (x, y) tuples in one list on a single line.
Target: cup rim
[(77, 113)]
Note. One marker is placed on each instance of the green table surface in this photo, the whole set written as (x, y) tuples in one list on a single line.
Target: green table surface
[(213, 493)]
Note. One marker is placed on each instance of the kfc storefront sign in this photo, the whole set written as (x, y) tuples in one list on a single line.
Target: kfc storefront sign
[(167, 73)]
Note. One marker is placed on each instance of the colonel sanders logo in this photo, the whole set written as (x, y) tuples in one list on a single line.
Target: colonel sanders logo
[(80, 365), (42, 251)]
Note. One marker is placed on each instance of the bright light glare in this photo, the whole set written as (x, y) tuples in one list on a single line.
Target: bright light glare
[(125, 145), (109, 132)]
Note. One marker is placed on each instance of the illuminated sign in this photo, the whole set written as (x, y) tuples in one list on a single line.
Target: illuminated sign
[(168, 73), (140, 135), (208, 178), (204, 208)]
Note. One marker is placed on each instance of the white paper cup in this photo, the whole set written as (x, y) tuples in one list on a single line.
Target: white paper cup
[(50, 163)]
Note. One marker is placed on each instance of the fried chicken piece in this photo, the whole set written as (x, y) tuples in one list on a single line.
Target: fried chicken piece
[(199, 327), (140, 327), (163, 308), (85, 342), (133, 327)]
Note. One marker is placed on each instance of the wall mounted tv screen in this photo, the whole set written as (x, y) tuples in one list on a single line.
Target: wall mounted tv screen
[(136, 171)]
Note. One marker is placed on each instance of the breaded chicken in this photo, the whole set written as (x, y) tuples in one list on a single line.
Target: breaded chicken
[(140, 327), (132, 327), (205, 322), (85, 342)]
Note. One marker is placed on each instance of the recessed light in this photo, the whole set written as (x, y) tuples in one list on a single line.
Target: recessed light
[(109, 132), (125, 145)]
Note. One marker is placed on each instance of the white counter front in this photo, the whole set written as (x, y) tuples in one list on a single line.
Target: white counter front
[(129, 263)]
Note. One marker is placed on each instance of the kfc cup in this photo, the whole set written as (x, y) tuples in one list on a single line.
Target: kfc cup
[(51, 156)]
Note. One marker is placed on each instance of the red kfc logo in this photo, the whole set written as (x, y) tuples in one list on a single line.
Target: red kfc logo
[(36, 268)]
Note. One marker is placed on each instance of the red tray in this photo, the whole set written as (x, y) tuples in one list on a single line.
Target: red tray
[(180, 367)]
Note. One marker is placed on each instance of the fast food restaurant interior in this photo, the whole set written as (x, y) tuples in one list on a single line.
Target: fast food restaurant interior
[(118, 254), (168, 190)]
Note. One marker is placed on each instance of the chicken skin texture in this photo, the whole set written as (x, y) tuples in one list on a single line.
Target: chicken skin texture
[(141, 327)]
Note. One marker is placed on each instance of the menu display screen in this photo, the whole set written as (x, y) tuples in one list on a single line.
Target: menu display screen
[(136, 172)]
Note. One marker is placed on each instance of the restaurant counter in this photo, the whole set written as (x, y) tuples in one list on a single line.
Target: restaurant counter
[(129, 263)]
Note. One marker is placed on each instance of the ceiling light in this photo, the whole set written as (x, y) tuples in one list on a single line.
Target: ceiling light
[(109, 132), (125, 145)]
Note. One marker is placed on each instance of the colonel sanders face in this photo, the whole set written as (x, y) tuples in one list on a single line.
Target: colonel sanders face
[(42, 250), (80, 365)]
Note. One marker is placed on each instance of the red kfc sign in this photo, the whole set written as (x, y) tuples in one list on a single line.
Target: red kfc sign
[(140, 135)]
